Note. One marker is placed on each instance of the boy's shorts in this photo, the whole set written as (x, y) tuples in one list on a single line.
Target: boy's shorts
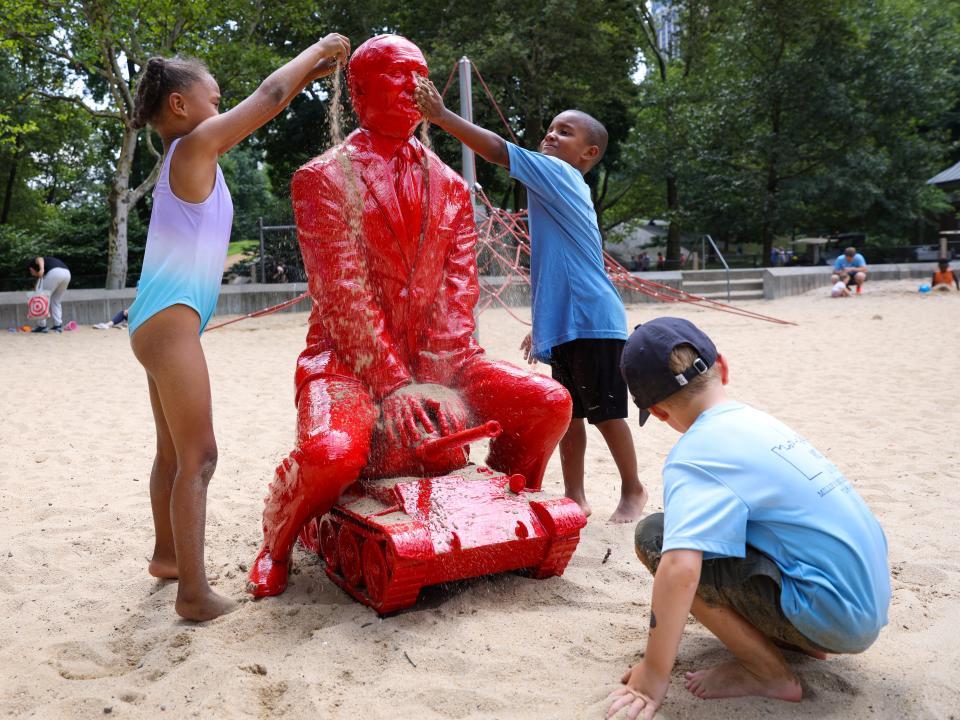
[(750, 585), (590, 371)]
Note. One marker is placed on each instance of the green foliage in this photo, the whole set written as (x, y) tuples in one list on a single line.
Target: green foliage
[(538, 58), (250, 188), (76, 235), (775, 118), (803, 118)]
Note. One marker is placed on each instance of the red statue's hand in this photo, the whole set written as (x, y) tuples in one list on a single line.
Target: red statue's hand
[(413, 413), (449, 410)]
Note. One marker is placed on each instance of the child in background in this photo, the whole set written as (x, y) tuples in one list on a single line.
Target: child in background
[(762, 538), (179, 285), (944, 277), (579, 323), (118, 321), (839, 289)]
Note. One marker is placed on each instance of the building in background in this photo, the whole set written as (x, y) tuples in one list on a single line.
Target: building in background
[(949, 182), (667, 19)]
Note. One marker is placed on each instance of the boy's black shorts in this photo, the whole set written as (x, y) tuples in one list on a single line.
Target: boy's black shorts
[(590, 371), (750, 585)]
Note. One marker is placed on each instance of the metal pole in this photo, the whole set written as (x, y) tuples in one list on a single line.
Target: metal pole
[(465, 76), (468, 159), (263, 265)]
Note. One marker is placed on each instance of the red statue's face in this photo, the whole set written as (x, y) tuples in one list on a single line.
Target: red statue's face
[(382, 83)]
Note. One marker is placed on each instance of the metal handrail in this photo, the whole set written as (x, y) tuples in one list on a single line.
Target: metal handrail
[(703, 246)]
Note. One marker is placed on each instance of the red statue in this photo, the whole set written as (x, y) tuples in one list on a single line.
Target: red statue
[(387, 235)]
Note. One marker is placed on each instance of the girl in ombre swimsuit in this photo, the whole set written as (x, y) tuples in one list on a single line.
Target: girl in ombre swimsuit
[(182, 269)]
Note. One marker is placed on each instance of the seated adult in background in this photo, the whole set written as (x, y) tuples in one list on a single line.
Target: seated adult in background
[(944, 279), (851, 268)]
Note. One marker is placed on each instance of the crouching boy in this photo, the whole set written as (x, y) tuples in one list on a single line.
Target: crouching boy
[(762, 538)]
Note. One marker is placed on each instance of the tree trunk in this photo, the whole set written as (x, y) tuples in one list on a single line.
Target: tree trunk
[(673, 232), (11, 180), (770, 212), (119, 201), (773, 180)]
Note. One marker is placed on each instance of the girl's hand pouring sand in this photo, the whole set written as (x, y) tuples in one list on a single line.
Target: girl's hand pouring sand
[(335, 51)]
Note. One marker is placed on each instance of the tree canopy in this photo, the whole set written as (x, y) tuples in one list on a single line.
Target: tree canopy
[(765, 119)]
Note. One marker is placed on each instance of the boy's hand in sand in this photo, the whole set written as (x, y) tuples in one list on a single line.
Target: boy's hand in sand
[(334, 50), (428, 99), (642, 694), (526, 346)]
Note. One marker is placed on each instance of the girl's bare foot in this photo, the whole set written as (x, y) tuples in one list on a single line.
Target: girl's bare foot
[(582, 502), (731, 679), (631, 507), (163, 568), (208, 606)]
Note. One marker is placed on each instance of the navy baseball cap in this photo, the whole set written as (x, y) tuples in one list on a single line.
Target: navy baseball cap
[(645, 363)]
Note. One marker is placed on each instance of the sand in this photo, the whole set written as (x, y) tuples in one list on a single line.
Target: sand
[(871, 381)]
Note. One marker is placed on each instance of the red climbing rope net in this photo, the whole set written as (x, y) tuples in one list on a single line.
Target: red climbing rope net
[(503, 261), (503, 258)]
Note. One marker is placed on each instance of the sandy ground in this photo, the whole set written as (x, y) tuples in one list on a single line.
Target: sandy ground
[(871, 381)]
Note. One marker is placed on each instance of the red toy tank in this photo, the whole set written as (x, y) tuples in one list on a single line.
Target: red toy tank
[(388, 537)]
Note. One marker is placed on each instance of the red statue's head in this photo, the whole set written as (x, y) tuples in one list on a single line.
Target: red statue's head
[(382, 84)]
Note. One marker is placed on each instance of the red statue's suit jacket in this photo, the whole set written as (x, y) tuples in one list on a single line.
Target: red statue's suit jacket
[(391, 305)]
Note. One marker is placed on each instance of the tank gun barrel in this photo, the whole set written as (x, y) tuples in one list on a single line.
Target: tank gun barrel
[(430, 448)]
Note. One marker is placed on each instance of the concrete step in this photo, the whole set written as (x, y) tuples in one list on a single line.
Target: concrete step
[(734, 295), (702, 287), (738, 274)]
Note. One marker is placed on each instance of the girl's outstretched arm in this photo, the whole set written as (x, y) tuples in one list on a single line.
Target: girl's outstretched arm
[(218, 134)]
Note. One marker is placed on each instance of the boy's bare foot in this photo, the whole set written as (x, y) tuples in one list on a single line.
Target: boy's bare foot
[(631, 507), (731, 679), (163, 568), (582, 502), (206, 607)]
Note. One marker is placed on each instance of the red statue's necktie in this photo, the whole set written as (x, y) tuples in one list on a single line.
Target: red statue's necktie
[(408, 181)]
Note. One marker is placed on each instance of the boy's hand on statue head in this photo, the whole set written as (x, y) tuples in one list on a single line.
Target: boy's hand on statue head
[(428, 99)]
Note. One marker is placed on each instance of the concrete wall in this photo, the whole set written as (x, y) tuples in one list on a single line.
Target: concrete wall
[(88, 307), (517, 293), (784, 281), (670, 278)]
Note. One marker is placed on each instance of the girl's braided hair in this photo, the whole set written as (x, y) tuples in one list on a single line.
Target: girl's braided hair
[(161, 77)]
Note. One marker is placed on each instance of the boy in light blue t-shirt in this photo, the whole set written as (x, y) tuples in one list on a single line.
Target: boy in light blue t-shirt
[(579, 324), (762, 538)]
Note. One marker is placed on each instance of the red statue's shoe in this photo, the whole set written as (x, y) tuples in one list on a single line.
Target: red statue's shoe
[(267, 576)]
